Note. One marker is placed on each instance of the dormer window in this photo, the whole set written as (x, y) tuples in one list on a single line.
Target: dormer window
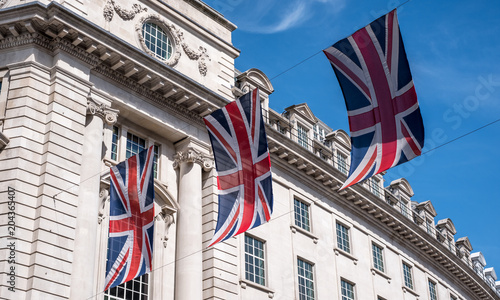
[(302, 136), (157, 40), (319, 133)]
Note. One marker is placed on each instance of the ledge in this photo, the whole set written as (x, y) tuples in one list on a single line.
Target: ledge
[(376, 271), (405, 289), (296, 228), (348, 255), (244, 283)]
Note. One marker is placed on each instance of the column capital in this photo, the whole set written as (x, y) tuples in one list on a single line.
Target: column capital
[(194, 156), (106, 113)]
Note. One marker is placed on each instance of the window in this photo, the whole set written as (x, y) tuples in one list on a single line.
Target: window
[(302, 136), (306, 280), (301, 215), (407, 276), (157, 40), (319, 133), (347, 290), (135, 144), (254, 260), (430, 226), (432, 290), (156, 156), (373, 185), (404, 208), (114, 143), (378, 259), (136, 288), (342, 163), (343, 238)]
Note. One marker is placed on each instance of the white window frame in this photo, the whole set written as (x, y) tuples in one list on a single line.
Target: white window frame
[(255, 258), (300, 222), (432, 289), (302, 136), (411, 280), (381, 258), (349, 284), (341, 246), (306, 280), (342, 167)]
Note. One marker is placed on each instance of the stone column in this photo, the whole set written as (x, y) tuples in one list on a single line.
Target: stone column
[(84, 275), (189, 256)]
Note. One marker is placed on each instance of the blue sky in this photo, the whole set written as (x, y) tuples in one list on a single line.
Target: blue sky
[(453, 48)]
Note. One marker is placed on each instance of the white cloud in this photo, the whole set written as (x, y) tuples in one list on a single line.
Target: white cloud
[(274, 16)]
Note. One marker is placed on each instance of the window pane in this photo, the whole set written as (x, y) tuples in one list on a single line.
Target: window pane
[(306, 280), (301, 214), (343, 238), (407, 276), (347, 290), (136, 288), (378, 261), (157, 40), (432, 290), (135, 144), (254, 260), (302, 136)]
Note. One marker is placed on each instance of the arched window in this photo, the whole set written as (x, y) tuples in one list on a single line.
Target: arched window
[(157, 40)]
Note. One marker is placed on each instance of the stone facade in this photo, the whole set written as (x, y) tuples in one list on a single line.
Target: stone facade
[(80, 83)]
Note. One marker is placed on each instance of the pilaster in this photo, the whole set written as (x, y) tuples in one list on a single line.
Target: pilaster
[(191, 159), (84, 276)]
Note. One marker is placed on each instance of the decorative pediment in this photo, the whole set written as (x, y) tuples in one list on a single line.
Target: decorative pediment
[(428, 207), (465, 243), (303, 110), (253, 78), (478, 257), (341, 137), (402, 185), (448, 224)]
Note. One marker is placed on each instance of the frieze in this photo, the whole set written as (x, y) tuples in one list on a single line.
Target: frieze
[(126, 14)]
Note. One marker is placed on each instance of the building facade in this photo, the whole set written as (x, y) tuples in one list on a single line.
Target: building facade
[(86, 84)]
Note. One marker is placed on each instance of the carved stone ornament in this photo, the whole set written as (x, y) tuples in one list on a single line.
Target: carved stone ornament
[(193, 156), (199, 55), (169, 220), (106, 113), (171, 31), (103, 196), (2, 2), (126, 14)]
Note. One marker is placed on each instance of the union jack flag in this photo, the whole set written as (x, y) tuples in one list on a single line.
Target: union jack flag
[(384, 117), (243, 165), (131, 219)]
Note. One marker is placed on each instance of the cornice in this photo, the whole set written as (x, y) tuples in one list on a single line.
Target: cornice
[(56, 29), (299, 163)]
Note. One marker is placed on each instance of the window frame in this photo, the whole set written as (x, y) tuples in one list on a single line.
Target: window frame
[(345, 248), (343, 168), (409, 277), (350, 284), (155, 42), (263, 259), (306, 280), (131, 286), (432, 288), (302, 136), (381, 258), (300, 223)]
